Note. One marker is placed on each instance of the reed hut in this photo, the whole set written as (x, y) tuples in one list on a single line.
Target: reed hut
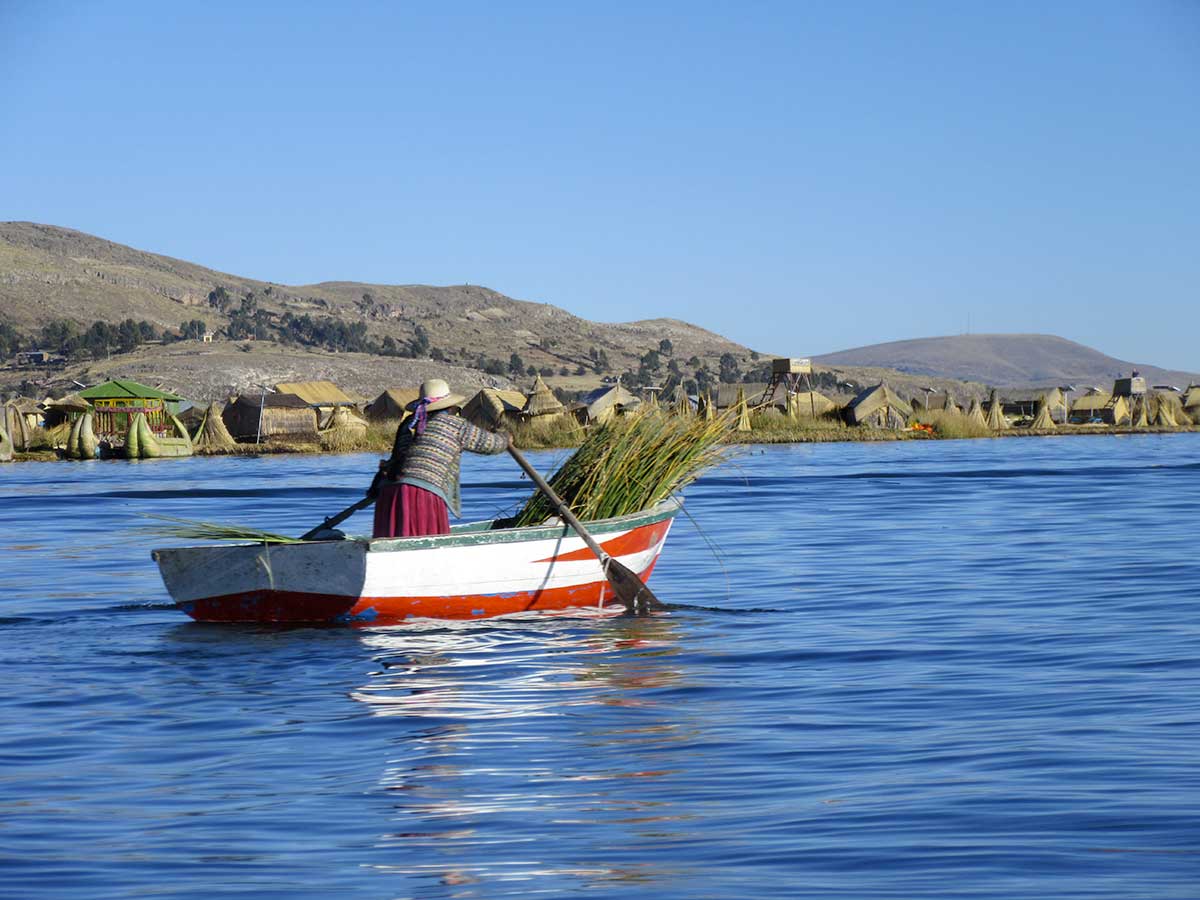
[(491, 408), (64, 411), (1164, 416), (392, 404), (6, 445), (604, 403), (212, 437), (1191, 402), (1026, 404), (541, 401), (322, 396), (254, 418), (706, 409), (879, 407), (808, 404)]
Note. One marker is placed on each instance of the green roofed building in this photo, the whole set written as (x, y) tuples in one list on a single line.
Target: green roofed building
[(115, 402)]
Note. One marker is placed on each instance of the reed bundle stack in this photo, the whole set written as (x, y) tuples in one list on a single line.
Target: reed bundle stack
[(741, 411), (630, 463), (345, 432), (995, 414), (212, 437), (975, 414), (1043, 419)]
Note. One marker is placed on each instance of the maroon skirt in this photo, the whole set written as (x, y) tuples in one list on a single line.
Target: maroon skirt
[(403, 510)]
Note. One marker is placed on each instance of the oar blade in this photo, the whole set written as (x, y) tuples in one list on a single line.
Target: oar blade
[(631, 590)]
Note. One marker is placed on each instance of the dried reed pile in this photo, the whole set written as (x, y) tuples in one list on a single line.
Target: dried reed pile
[(212, 437), (630, 463)]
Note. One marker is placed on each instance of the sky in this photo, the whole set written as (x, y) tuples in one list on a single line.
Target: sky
[(801, 177)]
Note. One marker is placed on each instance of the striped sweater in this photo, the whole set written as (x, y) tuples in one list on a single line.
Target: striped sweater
[(431, 460)]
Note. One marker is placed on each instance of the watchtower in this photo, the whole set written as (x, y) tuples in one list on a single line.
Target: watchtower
[(789, 372)]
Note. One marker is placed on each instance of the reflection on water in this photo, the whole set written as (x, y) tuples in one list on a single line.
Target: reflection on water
[(469, 783)]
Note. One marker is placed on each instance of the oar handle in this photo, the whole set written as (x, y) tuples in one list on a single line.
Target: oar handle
[(563, 509), (339, 518)]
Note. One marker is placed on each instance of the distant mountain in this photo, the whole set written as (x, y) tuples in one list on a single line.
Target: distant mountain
[(49, 273), (1004, 360)]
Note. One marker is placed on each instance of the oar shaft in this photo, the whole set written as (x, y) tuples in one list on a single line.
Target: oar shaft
[(563, 509)]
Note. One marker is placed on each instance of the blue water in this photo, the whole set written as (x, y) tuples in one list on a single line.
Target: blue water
[(980, 679)]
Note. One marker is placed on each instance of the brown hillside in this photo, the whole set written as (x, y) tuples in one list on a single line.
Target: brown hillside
[(1009, 360), (51, 273)]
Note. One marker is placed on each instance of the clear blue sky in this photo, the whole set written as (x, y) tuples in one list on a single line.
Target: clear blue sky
[(802, 177)]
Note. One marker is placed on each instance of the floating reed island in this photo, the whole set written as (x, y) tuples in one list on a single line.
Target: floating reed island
[(131, 420)]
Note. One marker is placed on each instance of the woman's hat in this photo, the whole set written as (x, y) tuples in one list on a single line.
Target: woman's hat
[(435, 394)]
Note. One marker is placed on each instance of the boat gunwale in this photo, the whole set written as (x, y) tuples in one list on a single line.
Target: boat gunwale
[(469, 534)]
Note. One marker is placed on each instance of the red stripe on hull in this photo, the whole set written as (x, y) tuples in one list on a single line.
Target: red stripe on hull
[(634, 541)]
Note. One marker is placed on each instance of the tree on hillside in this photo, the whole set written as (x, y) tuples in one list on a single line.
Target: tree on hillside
[(730, 372), (665, 347), (516, 365), (193, 330), (419, 345)]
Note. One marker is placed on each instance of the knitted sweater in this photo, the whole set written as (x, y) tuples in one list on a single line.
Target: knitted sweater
[(430, 461)]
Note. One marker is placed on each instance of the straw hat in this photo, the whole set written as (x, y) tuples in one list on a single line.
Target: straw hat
[(437, 392)]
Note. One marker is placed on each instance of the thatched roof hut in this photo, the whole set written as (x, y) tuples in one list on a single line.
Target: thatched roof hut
[(541, 401), (392, 404), (879, 407), (324, 395), (491, 408), (345, 431), (1025, 404), (809, 403), (604, 403), (1191, 402), (252, 417)]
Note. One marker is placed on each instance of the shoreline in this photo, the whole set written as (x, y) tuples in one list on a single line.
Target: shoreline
[(751, 438)]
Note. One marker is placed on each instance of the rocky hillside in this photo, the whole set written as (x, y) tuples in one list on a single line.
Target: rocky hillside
[(1007, 360), (49, 273)]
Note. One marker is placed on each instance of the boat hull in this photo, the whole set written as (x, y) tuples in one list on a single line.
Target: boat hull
[(473, 572)]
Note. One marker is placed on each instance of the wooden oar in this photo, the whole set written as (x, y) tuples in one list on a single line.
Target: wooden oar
[(630, 589), (339, 518)]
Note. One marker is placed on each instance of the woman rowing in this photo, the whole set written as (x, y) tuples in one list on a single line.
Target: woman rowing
[(418, 485)]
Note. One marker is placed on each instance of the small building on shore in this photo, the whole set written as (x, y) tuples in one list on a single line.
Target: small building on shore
[(252, 418), (1025, 404), (391, 404), (879, 407), (116, 402), (492, 408), (322, 396)]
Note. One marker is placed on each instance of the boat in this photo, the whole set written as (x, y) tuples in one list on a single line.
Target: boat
[(478, 570)]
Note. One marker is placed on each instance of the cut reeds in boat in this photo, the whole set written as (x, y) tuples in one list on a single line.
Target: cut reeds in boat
[(630, 463)]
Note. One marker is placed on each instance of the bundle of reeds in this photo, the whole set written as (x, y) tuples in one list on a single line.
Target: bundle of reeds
[(345, 432), (212, 437), (630, 463), (193, 530)]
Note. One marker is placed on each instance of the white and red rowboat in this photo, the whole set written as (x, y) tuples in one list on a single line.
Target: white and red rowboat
[(476, 571)]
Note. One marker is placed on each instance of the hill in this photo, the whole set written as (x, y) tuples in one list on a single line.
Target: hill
[(49, 273), (1003, 360)]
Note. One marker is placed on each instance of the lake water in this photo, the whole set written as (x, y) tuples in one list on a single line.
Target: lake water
[(974, 672)]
